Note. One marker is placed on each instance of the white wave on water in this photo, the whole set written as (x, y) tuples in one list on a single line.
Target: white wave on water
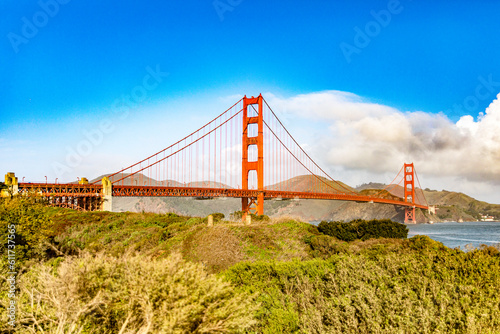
[(460, 235)]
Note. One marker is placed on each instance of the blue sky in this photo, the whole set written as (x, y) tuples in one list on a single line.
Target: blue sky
[(64, 77)]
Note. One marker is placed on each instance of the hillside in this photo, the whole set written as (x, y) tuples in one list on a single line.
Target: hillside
[(306, 183), (450, 206), (140, 179), (104, 272), (453, 206)]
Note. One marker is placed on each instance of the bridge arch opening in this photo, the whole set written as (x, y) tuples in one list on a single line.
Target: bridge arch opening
[(253, 153), (253, 130), (252, 179)]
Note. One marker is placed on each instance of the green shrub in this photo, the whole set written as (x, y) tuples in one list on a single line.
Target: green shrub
[(394, 292), (339, 230), (31, 227), (130, 294), (364, 230), (490, 250), (324, 246), (424, 243)]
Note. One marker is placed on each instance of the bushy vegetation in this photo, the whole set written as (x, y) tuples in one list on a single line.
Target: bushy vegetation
[(129, 294), (31, 225), (364, 229), (417, 286), (117, 233), (102, 272)]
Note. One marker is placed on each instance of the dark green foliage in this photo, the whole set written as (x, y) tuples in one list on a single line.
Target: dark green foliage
[(324, 246), (339, 230), (364, 229)]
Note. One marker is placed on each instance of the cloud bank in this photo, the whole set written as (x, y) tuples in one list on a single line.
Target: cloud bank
[(375, 138)]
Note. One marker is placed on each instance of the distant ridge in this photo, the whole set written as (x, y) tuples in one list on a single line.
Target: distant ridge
[(450, 206), (140, 179), (309, 183)]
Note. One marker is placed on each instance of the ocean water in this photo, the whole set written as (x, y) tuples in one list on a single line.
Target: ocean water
[(459, 234)]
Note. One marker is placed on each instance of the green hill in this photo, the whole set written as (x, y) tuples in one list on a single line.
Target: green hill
[(98, 272)]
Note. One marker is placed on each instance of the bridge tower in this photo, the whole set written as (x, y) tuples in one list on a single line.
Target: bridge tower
[(409, 192), (253, 205)]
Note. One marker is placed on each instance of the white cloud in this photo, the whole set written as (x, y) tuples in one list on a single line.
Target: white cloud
[(377, 139)]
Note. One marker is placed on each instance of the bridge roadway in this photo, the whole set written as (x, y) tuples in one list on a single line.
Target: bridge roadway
[(96, 190)]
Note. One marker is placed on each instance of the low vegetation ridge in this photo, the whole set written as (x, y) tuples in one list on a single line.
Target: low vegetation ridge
[(98, 272)]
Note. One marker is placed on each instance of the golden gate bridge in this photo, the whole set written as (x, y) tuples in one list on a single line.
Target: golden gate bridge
[(245, 152)]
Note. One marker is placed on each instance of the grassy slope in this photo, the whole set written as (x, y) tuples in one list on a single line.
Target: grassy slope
[(157, 235), (307, 282)]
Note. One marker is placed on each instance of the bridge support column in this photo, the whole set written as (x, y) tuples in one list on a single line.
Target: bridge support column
[(12, 186), (409, 192), (410, 215), (107, 195), (253, 205)]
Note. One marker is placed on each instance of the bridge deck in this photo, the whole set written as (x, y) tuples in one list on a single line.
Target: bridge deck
[(90, 190)]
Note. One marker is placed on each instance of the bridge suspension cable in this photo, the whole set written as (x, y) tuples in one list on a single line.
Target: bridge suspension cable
[(211, 158), (306, 156)]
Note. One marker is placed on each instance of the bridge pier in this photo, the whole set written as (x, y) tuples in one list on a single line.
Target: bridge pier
[(253, 205), (410, 215), (12, 184), (107, 195)]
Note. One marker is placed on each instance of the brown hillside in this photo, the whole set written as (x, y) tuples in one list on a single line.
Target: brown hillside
[(310, 183), (380, 193), (140, 179)]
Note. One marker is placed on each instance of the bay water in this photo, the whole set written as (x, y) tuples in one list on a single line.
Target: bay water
[(453, 234)]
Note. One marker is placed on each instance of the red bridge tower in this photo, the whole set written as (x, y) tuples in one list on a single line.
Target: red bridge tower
[(252, 204), (409, 177)]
